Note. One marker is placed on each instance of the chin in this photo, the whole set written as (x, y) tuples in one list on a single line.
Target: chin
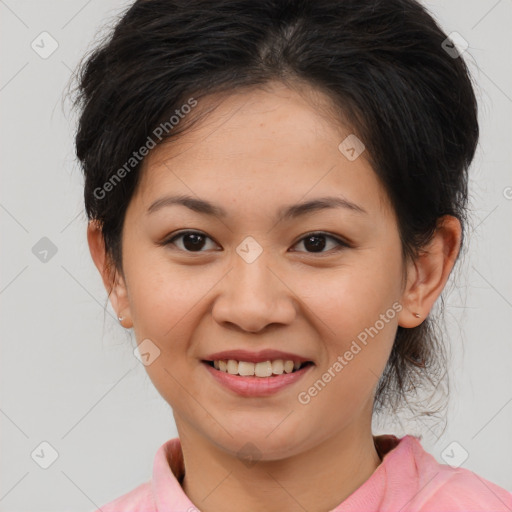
[(264, 440)]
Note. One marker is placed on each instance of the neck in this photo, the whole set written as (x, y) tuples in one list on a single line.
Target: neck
[(318, 479)]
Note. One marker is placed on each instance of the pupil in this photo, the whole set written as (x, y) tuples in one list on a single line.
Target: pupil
[(196, 239), (318, 245)]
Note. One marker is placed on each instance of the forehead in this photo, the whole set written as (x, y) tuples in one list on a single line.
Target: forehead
[(262, 145)]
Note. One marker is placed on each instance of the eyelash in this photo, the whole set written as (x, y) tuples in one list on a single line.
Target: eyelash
[(341, 243)]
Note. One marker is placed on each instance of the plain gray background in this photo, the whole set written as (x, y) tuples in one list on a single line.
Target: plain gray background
[(68, 374)]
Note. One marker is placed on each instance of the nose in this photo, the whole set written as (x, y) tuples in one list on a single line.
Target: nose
[(253, 296)]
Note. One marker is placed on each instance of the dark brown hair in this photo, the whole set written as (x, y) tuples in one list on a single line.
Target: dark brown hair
[(382, 62)]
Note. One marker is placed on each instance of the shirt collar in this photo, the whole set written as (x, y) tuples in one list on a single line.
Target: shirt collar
[(169, 470)]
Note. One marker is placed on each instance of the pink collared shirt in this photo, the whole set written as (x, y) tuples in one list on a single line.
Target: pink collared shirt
[(407, 480)]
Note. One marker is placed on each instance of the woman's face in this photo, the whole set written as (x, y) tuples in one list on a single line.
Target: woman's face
[(253, 279)]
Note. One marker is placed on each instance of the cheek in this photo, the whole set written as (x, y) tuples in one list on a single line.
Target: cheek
[(355, 311), (352, 297), (166, 308), (164, 295), (357, 330)]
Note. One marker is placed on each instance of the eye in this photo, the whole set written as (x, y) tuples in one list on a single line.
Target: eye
[(316, 242), (193, 241)]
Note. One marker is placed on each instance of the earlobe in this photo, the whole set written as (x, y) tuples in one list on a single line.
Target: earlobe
[(119, 300), (409, 316), (112, 280), (429, 272)]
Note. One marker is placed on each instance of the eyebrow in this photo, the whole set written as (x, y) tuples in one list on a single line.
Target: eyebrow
[(285, 213)]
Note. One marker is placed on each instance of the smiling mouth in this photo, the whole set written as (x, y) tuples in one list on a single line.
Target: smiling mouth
[(262, 369)]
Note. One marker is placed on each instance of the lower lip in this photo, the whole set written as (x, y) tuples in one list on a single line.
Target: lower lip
[(256, 386)]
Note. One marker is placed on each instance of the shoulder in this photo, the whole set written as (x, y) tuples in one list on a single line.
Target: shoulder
[(444, 488), (139, 499), (464, 490)]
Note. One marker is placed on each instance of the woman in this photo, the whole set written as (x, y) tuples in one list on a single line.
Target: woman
[(276, 193)]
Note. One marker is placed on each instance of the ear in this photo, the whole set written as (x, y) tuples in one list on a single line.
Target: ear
[(112, 279), (428, 273)]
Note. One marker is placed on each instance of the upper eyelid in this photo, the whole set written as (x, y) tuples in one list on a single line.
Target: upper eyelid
[(327, 235), (342, 242), (187, 232)]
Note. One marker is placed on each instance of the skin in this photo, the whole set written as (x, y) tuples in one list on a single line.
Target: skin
[(257, 152)]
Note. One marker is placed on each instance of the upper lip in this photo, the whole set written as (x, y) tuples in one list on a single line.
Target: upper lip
[(256, 357)]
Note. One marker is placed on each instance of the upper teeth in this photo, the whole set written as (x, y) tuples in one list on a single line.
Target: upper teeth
[(262, 369)]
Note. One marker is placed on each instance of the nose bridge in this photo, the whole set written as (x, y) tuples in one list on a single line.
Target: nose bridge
[(252, 295), (251, 275)]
